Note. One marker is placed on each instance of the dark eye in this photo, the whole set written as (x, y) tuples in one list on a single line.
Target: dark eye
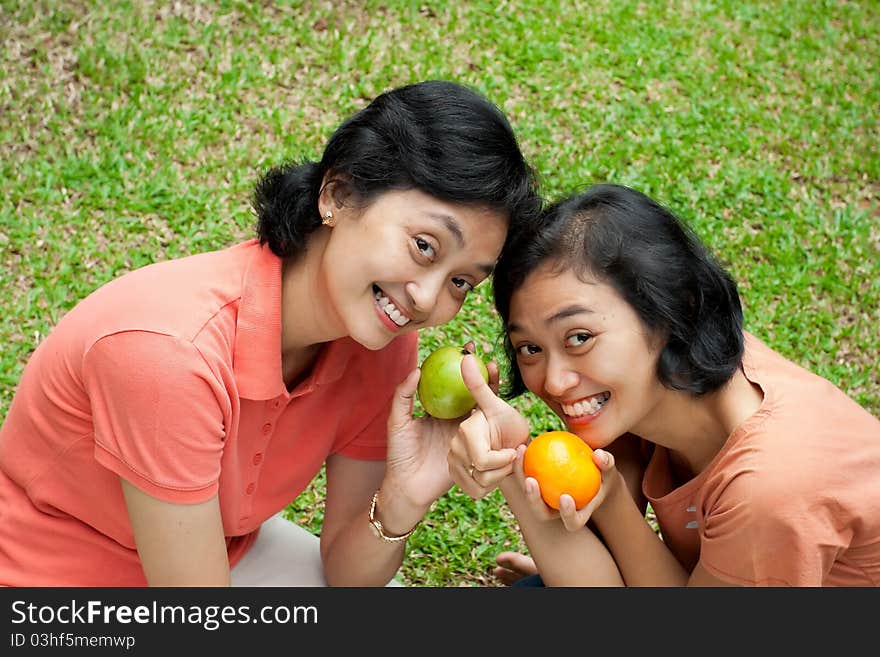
[(577, 339), (528, 350), (462, 285), (425, 248)]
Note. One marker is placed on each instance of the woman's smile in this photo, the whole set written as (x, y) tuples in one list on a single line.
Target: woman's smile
[(584, 411), (390, 312)]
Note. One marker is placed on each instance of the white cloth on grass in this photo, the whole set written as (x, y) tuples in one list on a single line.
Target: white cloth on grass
[(284, 554)]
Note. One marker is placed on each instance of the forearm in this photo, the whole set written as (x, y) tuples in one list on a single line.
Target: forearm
[(640, 554), (358, 557), (563, 558)]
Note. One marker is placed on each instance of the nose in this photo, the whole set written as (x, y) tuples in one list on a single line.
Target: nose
[(424, 293), (559, 377)]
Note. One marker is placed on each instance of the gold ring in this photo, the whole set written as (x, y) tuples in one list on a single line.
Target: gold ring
[(471, 471)]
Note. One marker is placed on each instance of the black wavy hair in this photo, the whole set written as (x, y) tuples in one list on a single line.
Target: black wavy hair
[(679, 290), (437, 136)]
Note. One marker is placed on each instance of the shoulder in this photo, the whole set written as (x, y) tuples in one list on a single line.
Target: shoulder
[(124, 362), (772, 370), (177, 296), (803, 414)]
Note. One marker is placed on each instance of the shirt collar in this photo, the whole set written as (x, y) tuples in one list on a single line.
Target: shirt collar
[(257, 349), (256, 360), (329, 366)]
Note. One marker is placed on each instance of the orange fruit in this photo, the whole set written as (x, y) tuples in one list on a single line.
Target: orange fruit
[(562, 463)]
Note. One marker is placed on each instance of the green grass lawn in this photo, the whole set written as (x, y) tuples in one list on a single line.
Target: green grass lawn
[(132, 132)]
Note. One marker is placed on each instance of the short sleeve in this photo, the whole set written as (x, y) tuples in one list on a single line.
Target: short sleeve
[(762, 533), (370, 441), (158, 413)]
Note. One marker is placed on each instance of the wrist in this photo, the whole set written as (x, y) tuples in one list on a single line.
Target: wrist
[(397, 514), (512, 490), (617, 494), (509, 485)]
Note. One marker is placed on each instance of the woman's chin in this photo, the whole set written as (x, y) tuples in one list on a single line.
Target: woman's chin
[(373, 341), (588, 433)]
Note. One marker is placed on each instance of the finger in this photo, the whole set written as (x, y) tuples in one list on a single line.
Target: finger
[(475, 436), (490, 479), (402, 405), (494, 376), (483, 449), (582, 516), (508, 427), (470, 347), (479, 389), (462, 477), (486, 467), (463, 480), (470, 487), (494, 459), (518, 466), (457, 456), (603, 460), (533, 493), (539, 507), (571, 518)]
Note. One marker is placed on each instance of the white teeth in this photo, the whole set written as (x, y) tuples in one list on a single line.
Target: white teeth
[(589, 406), (391, 310)]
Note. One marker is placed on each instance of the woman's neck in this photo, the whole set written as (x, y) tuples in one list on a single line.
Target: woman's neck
[(307, 320), (304, 312), (695, 429)]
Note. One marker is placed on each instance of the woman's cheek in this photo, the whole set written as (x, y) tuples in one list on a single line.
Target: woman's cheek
[(533, 377), (448, 309)]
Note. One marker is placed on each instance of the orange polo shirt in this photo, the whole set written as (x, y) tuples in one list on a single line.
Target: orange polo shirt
[(170, 377)]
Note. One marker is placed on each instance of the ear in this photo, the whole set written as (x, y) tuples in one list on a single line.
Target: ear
[(335, 191)]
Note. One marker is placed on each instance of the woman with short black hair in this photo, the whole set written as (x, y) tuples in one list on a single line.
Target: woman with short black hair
[(157, 433), (759, 472)]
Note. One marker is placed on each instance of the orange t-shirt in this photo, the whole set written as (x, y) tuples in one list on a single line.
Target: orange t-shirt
[(170, 377), (793, 497)]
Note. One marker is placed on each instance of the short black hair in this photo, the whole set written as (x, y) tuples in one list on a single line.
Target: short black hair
[(679, 290), (437, 136)]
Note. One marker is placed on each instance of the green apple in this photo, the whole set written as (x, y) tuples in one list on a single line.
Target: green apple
[(442, 391)]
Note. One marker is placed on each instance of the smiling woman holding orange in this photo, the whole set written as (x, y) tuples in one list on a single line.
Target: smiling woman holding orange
[(168, 418), (759, 472)]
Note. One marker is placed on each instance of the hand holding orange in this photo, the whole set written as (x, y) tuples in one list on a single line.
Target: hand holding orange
[(562, 463)]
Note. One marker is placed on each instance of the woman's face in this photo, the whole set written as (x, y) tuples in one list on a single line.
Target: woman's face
[(407, 261), (583, 350)]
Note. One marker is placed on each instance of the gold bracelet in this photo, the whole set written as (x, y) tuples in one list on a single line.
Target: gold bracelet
[(379, 530)]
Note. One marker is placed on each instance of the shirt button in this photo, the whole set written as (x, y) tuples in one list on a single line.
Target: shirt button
[(250, 489), (276, 404), (258, 458), (267, 428)]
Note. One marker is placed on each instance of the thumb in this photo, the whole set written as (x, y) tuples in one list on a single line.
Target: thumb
[(402, 404), (479, 389), (506, 424)]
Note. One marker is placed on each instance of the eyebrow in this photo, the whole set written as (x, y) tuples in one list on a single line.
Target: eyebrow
[(453, 227), (564, 313)]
